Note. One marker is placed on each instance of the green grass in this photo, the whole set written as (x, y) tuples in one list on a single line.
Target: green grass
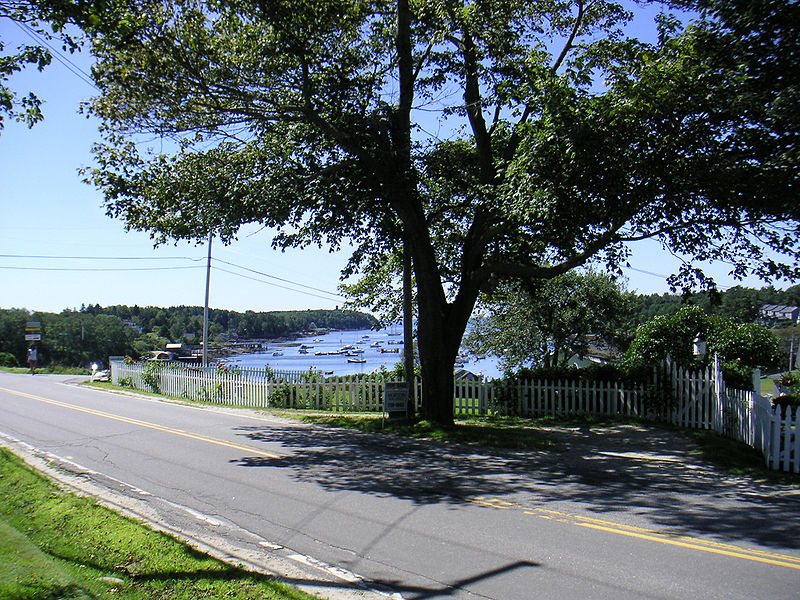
[(55, 545), (767, 386), (494, 433), (737, 458), (30, 573), (51, 370)]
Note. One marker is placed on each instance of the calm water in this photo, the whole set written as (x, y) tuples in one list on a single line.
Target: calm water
[(367, 342)]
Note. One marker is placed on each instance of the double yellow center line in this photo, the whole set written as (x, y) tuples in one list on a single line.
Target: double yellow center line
[(146, 424), (770, 558)]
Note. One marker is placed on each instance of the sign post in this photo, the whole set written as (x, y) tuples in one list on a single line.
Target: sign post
[(33, 331)]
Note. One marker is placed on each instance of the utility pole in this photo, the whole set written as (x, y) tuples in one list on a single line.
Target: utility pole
[(205, 308)]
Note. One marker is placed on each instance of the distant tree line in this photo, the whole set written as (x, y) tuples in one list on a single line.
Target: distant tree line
[(93, 333), (739, 303)]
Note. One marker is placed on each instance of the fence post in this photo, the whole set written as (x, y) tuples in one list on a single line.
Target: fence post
[(757, 381)]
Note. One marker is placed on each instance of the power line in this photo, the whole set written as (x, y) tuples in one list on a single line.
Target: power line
[(275, 277), (53, 257), (146, 258), (665, 277), (68, 64), (79, 269), (276, 284)]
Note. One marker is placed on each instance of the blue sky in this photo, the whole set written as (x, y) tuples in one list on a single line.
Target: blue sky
[(46, 210)]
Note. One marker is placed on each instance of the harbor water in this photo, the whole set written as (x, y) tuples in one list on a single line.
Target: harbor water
[(344, 353)]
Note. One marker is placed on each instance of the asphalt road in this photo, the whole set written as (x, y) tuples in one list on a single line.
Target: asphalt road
[(620, 512)]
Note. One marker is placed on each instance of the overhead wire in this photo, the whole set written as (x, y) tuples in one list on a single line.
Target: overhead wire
[(309, 287), (57, 257), (215, 268), (68, 64), (331, 296), (110, 269)]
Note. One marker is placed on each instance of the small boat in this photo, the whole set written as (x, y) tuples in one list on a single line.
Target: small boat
[(278, 353), (328, 372), (390, 350), (356, 360)]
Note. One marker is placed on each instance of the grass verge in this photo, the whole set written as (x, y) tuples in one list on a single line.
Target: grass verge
[(490, 432), (51, 370), (55, 545), (737, 458)]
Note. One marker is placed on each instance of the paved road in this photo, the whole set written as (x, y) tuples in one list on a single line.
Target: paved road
[(620, 512)]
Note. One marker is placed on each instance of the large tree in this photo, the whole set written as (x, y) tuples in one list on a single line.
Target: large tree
[(496, 139)]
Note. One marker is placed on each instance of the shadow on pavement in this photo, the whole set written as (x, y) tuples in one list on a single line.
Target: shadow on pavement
[(625, 468)]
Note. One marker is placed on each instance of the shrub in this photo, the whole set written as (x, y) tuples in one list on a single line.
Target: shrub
[(782, 403), (791, 381), (737, 375), (604, 372), (8, 360)]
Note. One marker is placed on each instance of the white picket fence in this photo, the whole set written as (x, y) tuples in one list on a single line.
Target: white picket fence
[(698, 400), (253, 388)]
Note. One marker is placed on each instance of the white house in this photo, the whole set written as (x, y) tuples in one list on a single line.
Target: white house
[(775, 313)]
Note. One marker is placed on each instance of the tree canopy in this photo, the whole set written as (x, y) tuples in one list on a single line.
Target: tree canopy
[(546, 323), (494, 139), (44, 25)]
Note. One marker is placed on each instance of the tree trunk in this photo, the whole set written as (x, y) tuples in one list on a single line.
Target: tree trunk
[(441, 327), (437, 354), (408, 330)]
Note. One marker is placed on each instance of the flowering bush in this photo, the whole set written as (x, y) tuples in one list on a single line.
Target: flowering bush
[(129, 360), (227, 369)]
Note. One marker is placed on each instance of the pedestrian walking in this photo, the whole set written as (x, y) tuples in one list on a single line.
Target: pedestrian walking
[(32, 357)]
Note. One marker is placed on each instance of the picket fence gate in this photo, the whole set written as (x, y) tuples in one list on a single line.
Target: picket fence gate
[(697, 400)]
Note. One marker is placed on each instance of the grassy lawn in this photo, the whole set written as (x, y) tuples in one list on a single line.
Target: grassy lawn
[(493, 433), (737, 458), (48, 370), (55, 545)]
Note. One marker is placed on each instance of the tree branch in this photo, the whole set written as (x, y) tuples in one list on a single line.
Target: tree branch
[(516, 137), (550, 271), (473, 101)]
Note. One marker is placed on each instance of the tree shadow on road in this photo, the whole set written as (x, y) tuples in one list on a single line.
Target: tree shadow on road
[(649, 472)]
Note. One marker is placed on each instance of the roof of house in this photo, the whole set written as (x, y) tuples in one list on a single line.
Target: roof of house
[(779, 308)]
